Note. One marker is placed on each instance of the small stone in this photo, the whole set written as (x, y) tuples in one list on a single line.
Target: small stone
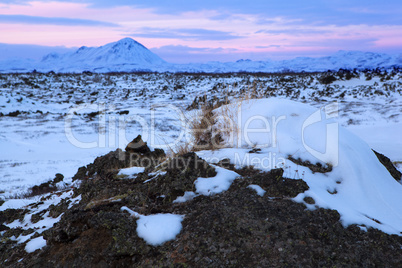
[(58, 178), (309, 200), (138, 146)]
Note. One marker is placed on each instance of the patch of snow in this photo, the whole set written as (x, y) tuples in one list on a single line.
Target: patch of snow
[(159, 228), (155, 175), (131, 212), (215, 185), (132, 171), (188, 196), (74, 201), (35, 244), (363, 228), (257, 188), (15, 204)]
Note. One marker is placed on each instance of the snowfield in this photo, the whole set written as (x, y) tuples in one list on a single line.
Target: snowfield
[(55, 123), (65, 121)]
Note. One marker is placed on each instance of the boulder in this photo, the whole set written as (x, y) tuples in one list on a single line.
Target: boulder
[(138, 146)]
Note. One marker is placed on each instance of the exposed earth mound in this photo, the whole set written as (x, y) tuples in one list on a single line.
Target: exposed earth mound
[(254, 222)]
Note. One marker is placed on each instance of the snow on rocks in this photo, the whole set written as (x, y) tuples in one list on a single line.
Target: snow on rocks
[(257, 188), (130, 172), (188, 196), (158, 228), (209, 186), (221, 182), (359, 187), (41, 213), (35, 244)]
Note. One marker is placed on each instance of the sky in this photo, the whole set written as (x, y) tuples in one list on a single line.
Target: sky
[(200, 31)]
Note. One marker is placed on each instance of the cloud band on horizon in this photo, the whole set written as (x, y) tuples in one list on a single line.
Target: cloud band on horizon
[(25, 19), (185, 34)]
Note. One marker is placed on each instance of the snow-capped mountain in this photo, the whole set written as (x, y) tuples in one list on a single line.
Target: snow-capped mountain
[(344, 60), (127, 55), (124, 55), (17, 65), (340, 60)]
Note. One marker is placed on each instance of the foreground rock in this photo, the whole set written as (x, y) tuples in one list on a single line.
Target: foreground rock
[(396, 174), (235, 228)]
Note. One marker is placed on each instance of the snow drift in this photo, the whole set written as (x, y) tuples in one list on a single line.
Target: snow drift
[(355, 183)]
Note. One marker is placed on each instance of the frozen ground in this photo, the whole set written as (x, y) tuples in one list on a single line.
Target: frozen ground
[(53, 123), (65, 121)]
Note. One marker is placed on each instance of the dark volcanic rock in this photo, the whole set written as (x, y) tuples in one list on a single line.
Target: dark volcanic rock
[(138, 146), (58, 178), (181, 172), (14, 114), (236, 228), (106, 166), (46, 187), (43, 188), (103, 165), (389, 166), (10, 215), (275, 184), (318, 167), (189, 165)]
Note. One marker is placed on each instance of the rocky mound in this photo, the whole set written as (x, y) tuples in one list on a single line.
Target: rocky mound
[(238, 227)]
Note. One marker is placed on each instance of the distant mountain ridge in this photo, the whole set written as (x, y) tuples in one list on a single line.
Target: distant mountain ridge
[(128, 55)]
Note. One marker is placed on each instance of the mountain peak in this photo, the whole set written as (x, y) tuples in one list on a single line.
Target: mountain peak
[(123, 54), (127, 41)]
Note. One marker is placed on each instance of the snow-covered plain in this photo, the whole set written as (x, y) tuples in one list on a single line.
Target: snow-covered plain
[(54, 123), (56, 133)]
